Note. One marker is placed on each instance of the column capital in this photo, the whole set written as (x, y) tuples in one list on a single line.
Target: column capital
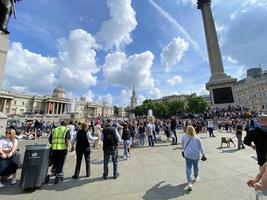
[(200, 3)]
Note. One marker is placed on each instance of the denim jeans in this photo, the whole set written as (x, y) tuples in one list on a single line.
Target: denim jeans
[(114, 156), (126, 144), (174, 139), (150, 140), (142, 139), (189, 164)]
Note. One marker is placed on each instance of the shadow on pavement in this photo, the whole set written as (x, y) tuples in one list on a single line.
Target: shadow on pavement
[(68, 183), (229, 150), (159, 192)]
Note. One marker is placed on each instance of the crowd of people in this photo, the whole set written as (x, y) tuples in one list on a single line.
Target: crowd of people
[(109, 134)]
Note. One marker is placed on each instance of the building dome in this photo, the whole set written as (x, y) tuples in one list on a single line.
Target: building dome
[(58, 92)]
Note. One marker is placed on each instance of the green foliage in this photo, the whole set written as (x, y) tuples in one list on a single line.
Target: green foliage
[(160, 110), (197, 104)]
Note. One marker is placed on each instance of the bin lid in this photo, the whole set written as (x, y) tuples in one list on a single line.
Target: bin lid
[(37, 146)]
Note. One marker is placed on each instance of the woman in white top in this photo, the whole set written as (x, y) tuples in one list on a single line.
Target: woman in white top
[(8, 162), (98, 135), (193, 149)]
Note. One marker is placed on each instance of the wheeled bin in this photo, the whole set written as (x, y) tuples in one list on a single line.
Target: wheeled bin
[(35, 166)]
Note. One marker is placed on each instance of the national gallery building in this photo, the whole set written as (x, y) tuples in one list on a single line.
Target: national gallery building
[(13, 103)]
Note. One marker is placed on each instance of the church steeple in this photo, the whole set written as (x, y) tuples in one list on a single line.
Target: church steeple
[(133, 98)]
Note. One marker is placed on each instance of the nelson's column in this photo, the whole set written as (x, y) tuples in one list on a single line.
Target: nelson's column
[(220, 85)]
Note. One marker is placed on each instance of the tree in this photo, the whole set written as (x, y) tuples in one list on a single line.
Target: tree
[(139, 110), (197, 104)]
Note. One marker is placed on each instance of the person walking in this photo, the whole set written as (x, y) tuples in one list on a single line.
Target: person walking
[(149, 133), (210, 128), (97, 134), (126, 135), (239, 129), (59, 140), (192, 148), (110, 138), (173, 129), (83, 149)]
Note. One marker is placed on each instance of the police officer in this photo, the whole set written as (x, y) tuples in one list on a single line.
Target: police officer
[(110, 138), (59, 140)]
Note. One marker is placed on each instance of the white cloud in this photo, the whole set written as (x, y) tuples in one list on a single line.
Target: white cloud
[(140, 99), (259, 3), (126, 71), (89, 96), (174, 22), (173, 52), (175, 80), (105, 99), (116, 32), (30, 71), (77, 64), (231, 60), (125, 97), (154, 93)]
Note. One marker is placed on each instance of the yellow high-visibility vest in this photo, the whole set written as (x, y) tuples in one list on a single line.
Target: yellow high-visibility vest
[(58, 138)]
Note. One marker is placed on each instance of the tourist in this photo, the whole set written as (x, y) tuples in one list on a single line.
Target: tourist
[(110, 138), (210, 128), (83, 149), (71, 127), (8, 160), (141, 131), (97, 134), (260, 181), (239, 129), (149, 133), (126, 135), (257, 139), (192, 147), (173, 129)]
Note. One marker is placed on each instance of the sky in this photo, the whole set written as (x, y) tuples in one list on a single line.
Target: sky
[(99, 48)]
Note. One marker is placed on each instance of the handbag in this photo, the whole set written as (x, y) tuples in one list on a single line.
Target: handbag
[(185, 147), (203, 158)]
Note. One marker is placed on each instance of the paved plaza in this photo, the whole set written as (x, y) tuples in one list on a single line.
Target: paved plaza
[(153, 174)]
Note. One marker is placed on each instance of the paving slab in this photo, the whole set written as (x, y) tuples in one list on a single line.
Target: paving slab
[(152, 173)]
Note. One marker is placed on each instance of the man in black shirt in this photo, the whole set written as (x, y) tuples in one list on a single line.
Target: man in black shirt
[(257, 139), (110, 138)]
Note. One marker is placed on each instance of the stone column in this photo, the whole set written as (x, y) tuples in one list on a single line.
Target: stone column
[(3, 56), (215, 58), (58, 108), (4, 107), (220, 84), (61, 108), (54, 108)]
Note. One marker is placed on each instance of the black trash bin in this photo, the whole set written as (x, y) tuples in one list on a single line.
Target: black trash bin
[(35, 166)]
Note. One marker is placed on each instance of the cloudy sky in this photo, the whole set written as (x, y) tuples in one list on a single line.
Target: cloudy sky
[(100, 48)]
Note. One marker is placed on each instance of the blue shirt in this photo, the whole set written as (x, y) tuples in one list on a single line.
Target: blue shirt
[(194, 148)]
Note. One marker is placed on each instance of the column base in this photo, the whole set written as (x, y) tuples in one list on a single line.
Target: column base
[(221, 87)]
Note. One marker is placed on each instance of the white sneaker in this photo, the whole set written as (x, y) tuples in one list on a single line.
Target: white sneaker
[(196, 179), (1, 185), (190, 186), (14, 180)]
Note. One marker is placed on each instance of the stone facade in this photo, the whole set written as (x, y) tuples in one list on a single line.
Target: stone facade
[(171, 98), (251, 92), (14, 103)]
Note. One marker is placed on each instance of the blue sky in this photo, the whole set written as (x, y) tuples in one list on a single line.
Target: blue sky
[(100, 48)]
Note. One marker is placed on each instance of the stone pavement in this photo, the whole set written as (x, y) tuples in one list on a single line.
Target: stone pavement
[(156, 173)]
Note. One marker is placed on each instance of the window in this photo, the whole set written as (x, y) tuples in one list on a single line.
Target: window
[(15, 102)]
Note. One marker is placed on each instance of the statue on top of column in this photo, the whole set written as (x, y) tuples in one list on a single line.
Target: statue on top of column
[(7, 8), (201, 2)]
